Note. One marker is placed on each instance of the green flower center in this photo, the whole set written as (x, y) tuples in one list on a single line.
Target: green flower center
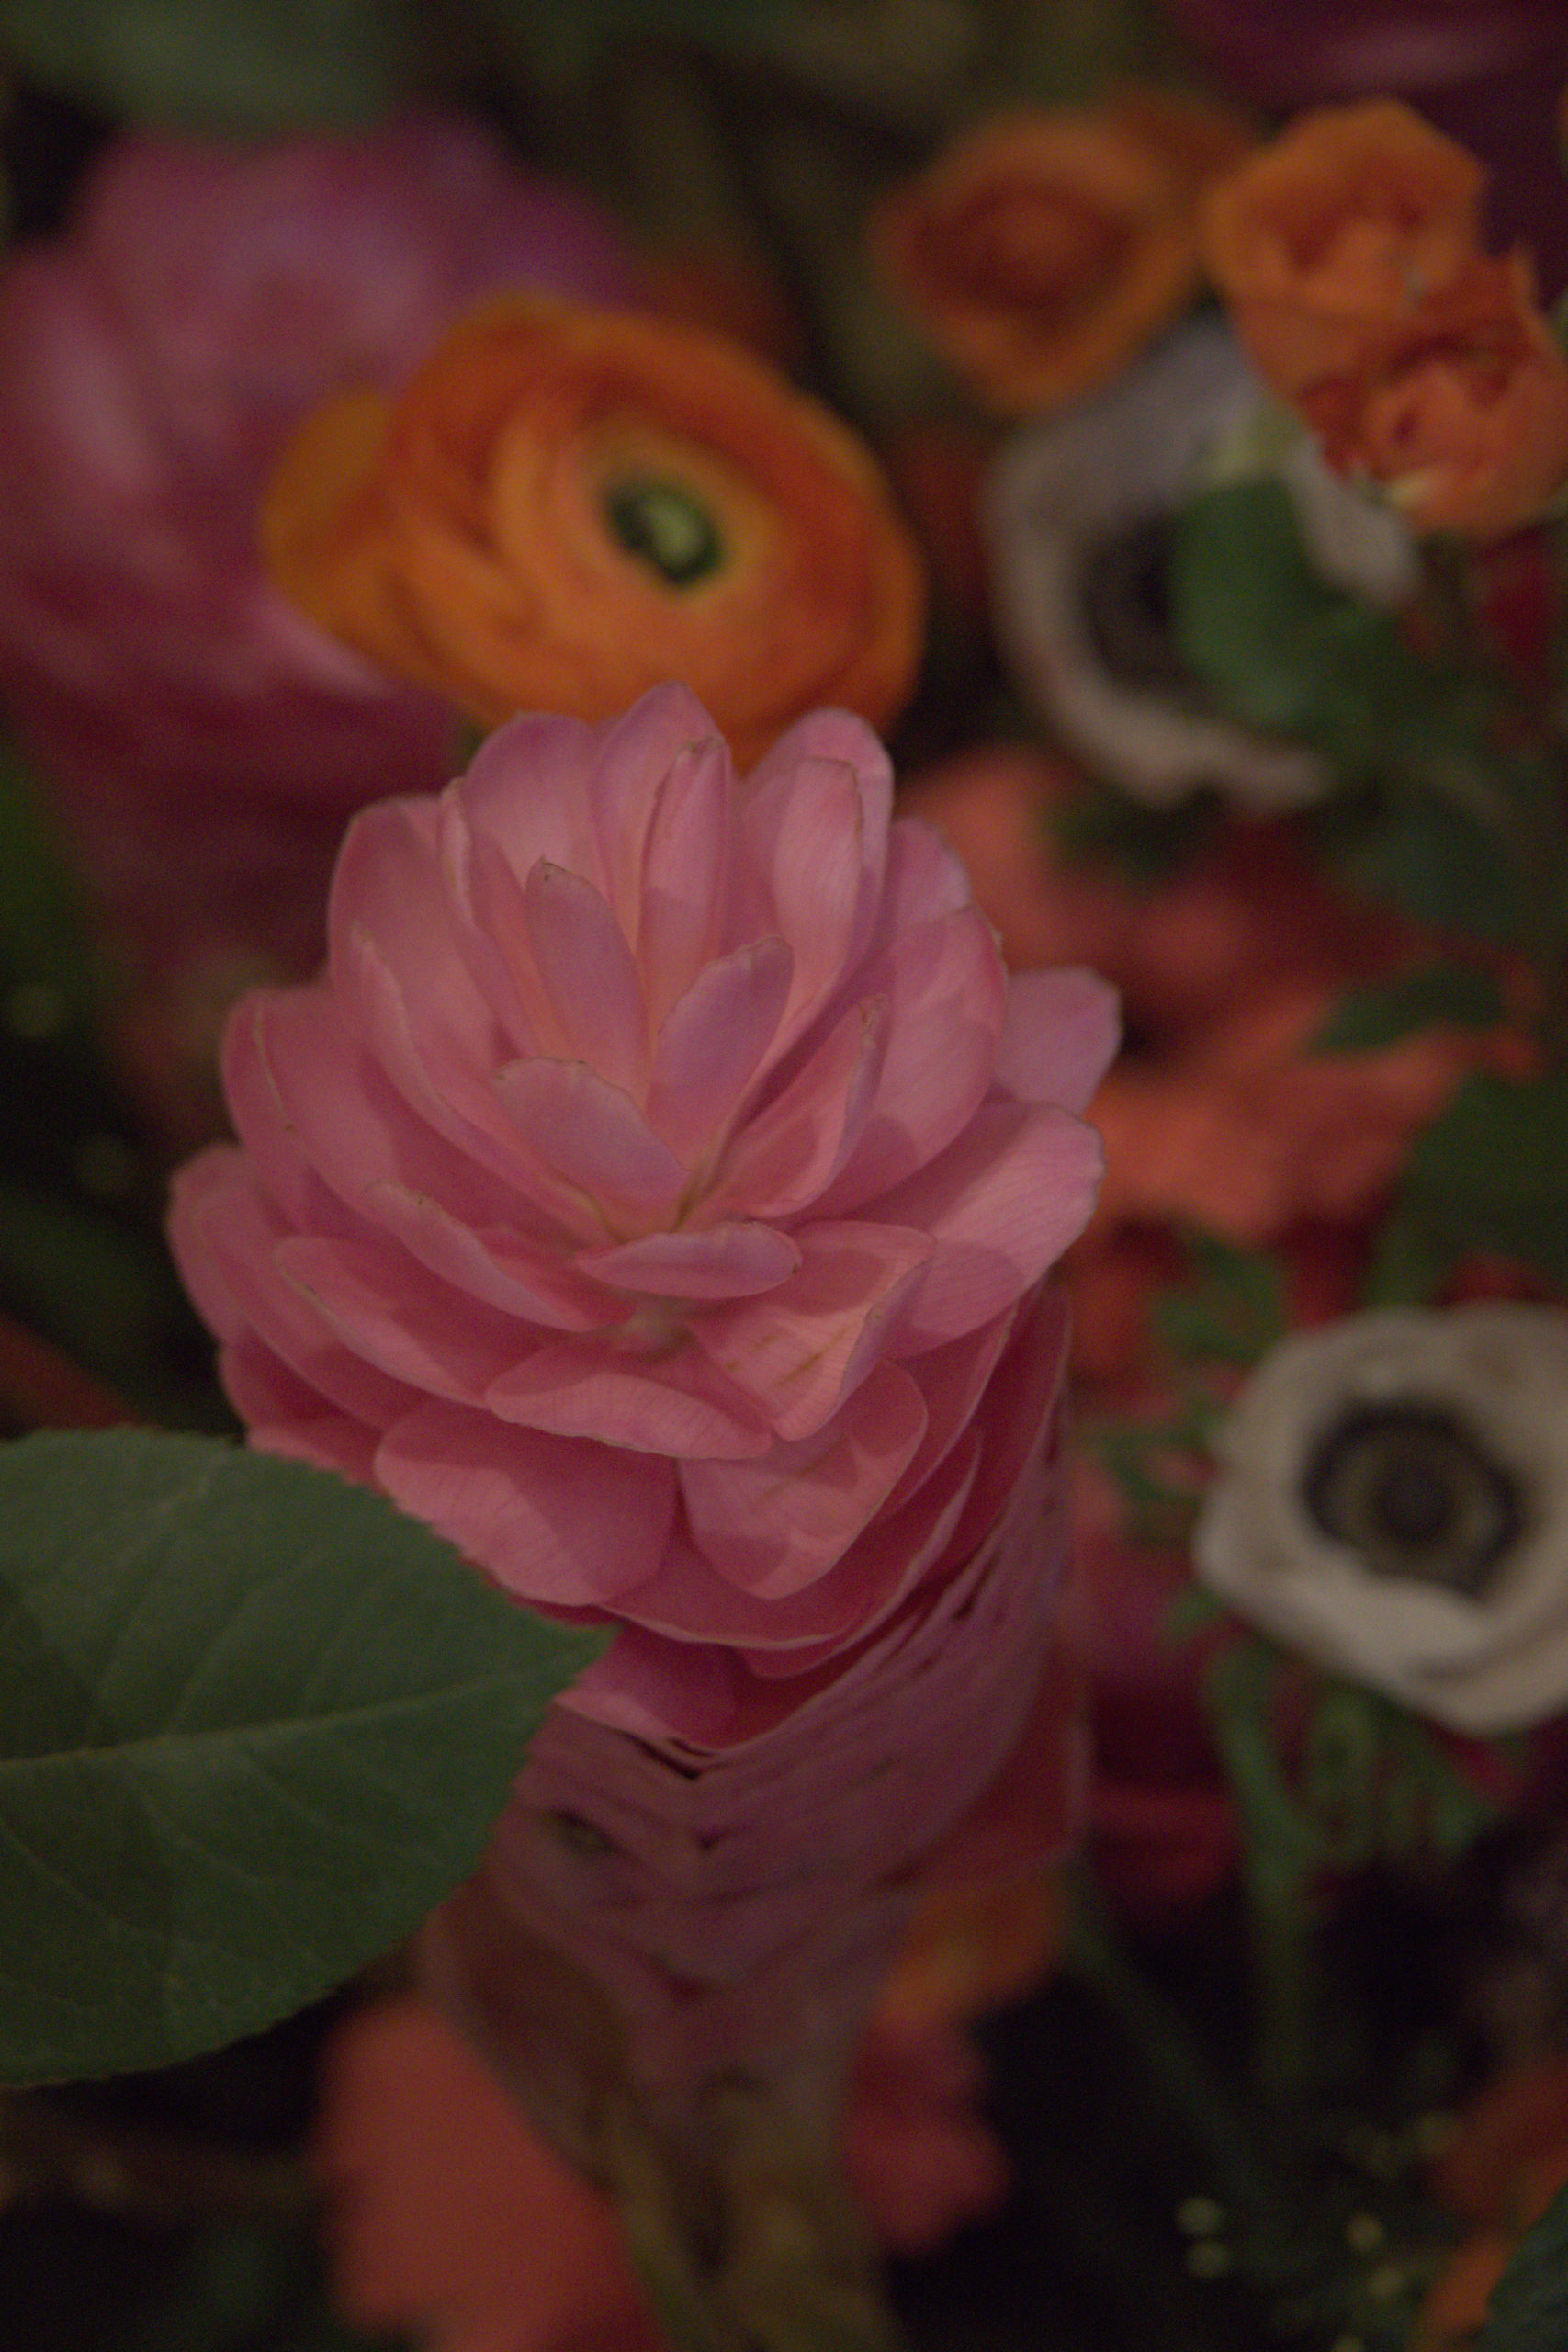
[(1411, 1491), (664, 524)]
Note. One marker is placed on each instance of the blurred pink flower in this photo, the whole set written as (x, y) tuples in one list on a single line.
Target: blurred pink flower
[(648, 1195), (204, 742)]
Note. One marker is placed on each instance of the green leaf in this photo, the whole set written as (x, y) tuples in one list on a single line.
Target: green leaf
[(1437, 865), (253, 1723), (1194, 1611), (1495, 1166), (1413, 1258), (256, 65), (98, 1287), (1529, 2306), (1232, 1309), (1282, 649), (1380, 1015)]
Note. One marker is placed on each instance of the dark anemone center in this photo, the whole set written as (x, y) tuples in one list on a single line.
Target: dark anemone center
[(1412, 1492), (666, 527), (1124, 595)]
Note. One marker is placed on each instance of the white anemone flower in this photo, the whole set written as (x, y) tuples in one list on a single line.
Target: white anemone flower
[(1078, 516), (1394, 1502)]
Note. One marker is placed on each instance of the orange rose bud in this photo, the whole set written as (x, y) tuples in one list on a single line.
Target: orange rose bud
[(1341, 226), (566, 507), (1043, 250), (1459, 414)]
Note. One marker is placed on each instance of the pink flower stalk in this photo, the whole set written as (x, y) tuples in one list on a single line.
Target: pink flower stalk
[(655, 1196), (740, 1909), (648, 1193), (206, 744)]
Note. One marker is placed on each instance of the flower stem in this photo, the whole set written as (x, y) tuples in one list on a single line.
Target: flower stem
[(745, 2236)]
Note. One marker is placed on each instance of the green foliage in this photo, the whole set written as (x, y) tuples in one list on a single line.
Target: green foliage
[(241, 65), (1282, 649), (562, 41), (1432, 862), (253, 1723), (1099, 825), (1414, 1256), (1230, 1310), (1493, 1167), (1367, 1783), (1385, 1011), (98, 1287), (1460, 825), (1530, 2307), (45, 948)]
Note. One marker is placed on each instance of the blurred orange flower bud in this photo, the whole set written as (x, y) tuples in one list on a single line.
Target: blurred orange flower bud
[(1043, 250), (1337, 229), (1460, 412), (566, 507)]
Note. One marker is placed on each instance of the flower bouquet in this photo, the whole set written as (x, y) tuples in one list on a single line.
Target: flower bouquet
[(787, 801)]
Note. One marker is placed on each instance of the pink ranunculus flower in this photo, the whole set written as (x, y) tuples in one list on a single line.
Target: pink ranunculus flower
[(204, 743), (649, 1192)]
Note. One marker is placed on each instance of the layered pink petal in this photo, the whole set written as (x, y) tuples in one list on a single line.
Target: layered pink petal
[(355, 1127), (712, 1042), (893, 1557), (786, 1155), (327, 1441), (486, 899), (922, 881), (685, 875), (952, 1379), (839, 735), (559, 1520), (805, 1346), (276, 1154), (777, 1524), (645, 1682), (596, 1138), (632, 759), (676, 1403), (1001, 1204), (804, 836), (387, 892), (553, 760), (500, 1267), (723, 1261), (1061, 1033), (230, 1230), (589, 974), (393, 1312), (946, 993), (784, 1636), (213, 1173)]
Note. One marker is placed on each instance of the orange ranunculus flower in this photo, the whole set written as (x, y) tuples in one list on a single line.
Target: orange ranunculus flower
[(1043, 250), (1460, 412), (1339, 228), (566, 507)]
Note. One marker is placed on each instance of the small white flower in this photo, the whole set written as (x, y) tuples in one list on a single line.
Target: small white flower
[(1394, 1502), (1078, 514)]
